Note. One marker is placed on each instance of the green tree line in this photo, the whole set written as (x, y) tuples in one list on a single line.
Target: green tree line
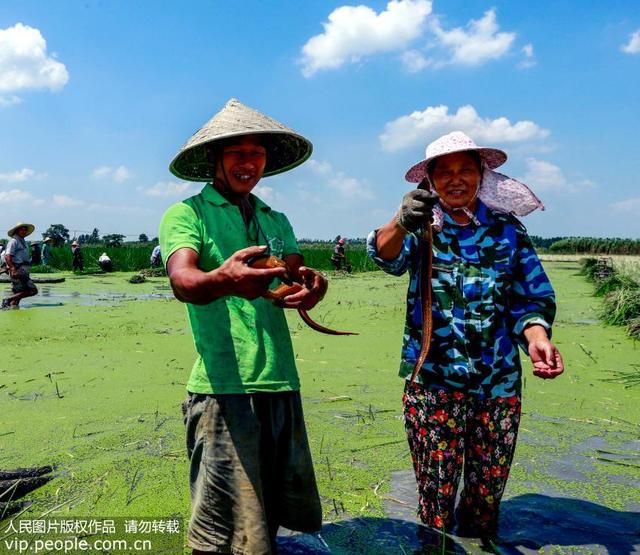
[(595, 245)]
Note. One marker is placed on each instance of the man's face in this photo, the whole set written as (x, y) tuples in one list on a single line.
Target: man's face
[(456, 178), (22, 231), (242, 164)]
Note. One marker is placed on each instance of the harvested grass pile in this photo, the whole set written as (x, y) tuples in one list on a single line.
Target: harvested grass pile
[(137, 278), (153, 272), (621, 292), (633, 328), (613, 283), (621, 306), (588, 269)]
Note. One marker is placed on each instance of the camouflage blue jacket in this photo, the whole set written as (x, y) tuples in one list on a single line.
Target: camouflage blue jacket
[(488, 285)]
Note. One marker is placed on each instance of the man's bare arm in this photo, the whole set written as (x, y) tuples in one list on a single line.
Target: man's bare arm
[(192, 285)]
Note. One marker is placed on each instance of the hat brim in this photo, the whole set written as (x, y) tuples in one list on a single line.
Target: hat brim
[(30, 227), (492, 158), (285, 151)]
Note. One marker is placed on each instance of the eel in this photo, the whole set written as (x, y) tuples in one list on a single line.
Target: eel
[(289, 287)]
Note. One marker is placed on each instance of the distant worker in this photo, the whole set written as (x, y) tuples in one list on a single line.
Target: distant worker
[(18, 263), (36, 253), (105, 263), (46, 250), (78, 261), (338, 258), (156, 258), (3, 264)]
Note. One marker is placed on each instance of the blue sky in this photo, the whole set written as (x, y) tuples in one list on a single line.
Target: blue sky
[(96, 97)]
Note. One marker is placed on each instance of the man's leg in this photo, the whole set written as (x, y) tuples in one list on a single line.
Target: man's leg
[(22, 287), (223, 443), (290, 489)]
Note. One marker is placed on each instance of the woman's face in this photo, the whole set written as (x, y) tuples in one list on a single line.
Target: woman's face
[(456, 178)]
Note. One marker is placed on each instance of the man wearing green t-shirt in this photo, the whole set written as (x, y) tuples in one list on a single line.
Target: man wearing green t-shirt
[(251, 468)]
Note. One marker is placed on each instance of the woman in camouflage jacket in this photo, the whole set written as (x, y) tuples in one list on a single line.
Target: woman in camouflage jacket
[(489, 294)]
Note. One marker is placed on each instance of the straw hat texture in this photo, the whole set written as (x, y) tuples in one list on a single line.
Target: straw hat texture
[(30, 228), (285, 148)]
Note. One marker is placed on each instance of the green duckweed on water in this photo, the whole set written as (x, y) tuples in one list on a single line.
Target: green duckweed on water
[(92, 375)]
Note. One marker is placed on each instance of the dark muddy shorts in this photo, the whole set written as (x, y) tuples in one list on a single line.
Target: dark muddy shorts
[(22, 281), (250, 472)]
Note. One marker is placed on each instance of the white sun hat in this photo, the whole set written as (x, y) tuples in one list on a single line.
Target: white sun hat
[(498, 191)]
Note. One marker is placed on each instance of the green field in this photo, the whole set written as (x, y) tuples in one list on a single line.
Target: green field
[(93, 373), (135, 257)]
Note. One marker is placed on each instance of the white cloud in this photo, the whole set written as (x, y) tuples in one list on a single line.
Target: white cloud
[(633, 46), (421, 127), (171, 189), (118, 174), (529, 57), (25, 62), (545, 176), (102, 171), (9, 100), (121, 174), (15, 195), (413, 61), (481, 42), (18, 176), (118, 209), (354, 32), (268, 194), (319, 168), (346, 186), (63, 201), (631, 205)]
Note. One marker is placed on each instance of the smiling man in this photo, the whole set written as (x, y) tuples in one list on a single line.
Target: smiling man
[(251, 468)]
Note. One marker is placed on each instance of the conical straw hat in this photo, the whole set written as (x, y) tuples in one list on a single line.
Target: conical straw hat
[(285, 148), (30, 228)]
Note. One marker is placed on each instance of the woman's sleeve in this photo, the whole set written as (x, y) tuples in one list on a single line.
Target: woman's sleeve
[(398, 265), (533, 298)]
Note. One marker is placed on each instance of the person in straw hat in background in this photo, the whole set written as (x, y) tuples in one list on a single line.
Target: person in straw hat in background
[(251, 468), (46, 250), (486, 294), (18, 261), (77, 261)]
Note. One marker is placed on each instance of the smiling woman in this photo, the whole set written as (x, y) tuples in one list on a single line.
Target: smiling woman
[(456, 179), (477, 292)]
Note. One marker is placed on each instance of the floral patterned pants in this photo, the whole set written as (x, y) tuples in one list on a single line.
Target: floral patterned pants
[(449, 431)]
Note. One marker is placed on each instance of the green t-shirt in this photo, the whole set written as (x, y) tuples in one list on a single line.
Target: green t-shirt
[(243, 346)]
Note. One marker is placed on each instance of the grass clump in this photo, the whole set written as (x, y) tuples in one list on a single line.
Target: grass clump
[(613, 283), (621, 306), (633, 328), (588, 268), (137, 278), (42, 269)]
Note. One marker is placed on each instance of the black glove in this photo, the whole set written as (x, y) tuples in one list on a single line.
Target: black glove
[(416, 209)]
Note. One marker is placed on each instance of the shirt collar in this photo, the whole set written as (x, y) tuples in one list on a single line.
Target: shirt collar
[(482, 213), (211, 194)]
